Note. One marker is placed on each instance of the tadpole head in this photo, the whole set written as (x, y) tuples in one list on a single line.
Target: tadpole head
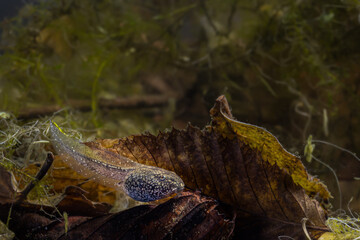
[(149, 184)]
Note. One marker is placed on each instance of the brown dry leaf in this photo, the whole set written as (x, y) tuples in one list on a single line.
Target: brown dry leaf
[(240, 165), (187, 216), (76, 203), (7, 189), (73, 199), (268, 146), (60, 176)]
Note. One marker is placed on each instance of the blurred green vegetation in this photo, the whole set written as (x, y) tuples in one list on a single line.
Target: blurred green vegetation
[(290, 66)]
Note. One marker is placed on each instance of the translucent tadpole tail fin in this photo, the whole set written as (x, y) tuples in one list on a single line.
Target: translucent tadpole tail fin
[(62, 142), (71, 150), (88, 162)]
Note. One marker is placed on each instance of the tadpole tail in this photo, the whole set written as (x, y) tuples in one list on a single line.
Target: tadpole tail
[(86, 161)]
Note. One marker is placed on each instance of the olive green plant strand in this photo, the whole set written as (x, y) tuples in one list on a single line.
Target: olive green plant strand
[(94, 92)]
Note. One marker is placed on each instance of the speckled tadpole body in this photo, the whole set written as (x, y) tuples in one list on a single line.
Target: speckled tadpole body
[(141, 182)]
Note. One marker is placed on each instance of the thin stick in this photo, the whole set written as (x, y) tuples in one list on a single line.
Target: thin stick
[(338, 147), (336, 178), (42, 172), (146, 101)]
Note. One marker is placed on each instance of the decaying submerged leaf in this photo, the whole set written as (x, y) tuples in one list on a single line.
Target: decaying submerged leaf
[(75, 202), (270, 149), (241, 165), (60, 176), (7, 189), (187, 216)]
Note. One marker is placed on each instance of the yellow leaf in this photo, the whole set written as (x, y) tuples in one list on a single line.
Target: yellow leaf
[(267, 144)]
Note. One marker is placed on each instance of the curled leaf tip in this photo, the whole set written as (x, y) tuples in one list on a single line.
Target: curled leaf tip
[(267, 146)]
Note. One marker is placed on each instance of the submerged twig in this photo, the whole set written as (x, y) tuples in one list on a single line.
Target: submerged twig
[(42, 172), (117, 103)]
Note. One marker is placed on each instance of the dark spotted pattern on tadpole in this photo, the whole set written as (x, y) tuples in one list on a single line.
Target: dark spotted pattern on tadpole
[(149, 184)]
